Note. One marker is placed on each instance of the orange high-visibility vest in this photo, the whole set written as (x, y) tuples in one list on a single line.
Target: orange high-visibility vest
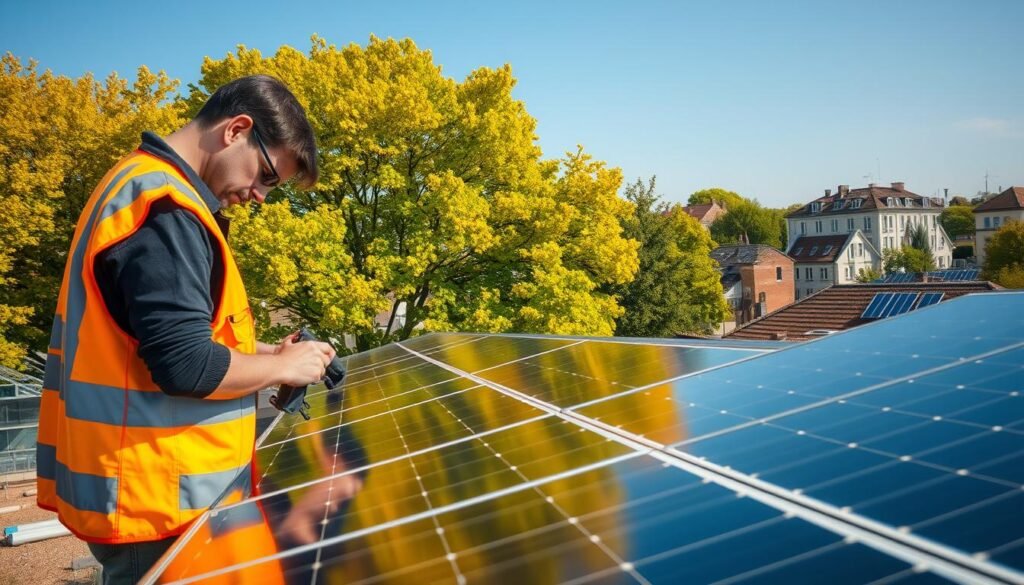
[(118, 459)]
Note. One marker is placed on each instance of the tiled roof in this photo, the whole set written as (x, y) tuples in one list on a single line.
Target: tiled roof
[(840, 307), (825, 249), (705, 213), (746, 254), (1012, 198), (870, 198)]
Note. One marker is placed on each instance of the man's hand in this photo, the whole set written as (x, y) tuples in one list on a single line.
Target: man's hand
[(304, 362)]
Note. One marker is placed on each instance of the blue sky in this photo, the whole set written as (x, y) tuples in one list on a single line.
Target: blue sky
[(776, 100)]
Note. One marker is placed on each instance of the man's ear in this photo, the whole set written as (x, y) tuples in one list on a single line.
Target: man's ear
[(236, 128)]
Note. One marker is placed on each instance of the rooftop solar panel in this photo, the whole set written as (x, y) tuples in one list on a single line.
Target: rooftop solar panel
[(877, 305), (901, 303), (928, 299), (889, 453)]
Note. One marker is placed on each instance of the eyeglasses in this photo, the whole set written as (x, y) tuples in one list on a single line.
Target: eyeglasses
[(273, 180)]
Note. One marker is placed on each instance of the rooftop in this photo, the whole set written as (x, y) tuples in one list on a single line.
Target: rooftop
[(746, 254), (825, 249), (1012, 198), (872, 197), (840, 307)]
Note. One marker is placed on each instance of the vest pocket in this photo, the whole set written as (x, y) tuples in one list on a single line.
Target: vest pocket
[(243, 328)]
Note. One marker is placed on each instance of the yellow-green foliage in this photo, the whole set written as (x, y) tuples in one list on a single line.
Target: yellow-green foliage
[(432, 193), (58, 136)]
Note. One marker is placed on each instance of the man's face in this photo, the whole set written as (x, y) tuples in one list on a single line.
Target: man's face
[(240, 172)]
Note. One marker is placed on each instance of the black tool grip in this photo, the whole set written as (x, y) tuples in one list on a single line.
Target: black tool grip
[(292, 399)]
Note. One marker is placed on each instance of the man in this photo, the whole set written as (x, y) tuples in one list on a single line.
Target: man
[(148, 409)]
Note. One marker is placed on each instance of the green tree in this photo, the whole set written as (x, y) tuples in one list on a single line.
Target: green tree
[(1004, 250), (959, 201), (433, 195), (957, 220), (1010, 276), (717, 194), (907, 259), (865, 275), (759, 224), (677, 288), (919, 239)]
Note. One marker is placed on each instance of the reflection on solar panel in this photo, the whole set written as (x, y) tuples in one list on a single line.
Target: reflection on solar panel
[(936, 276), (877, 305), (929, 299), (893, 452)]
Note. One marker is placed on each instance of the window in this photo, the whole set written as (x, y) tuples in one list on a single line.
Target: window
[(860, 249), (995, 222), (815, 207), (867, 224), (823, 273), (926, 202), (890, 202), (796, 276), (817, 227), (942, 262), (855, 204), (942, 242), (826, 250), (934, 220), (798, 251), (803, 227), (814, 250), (848, 270), (902, 219), (810, 291), (808, 274), (849, 225), (778, 273), (988, 222), (908, 202), (838, 205), (849, 252), (835, 226), (761, 297)]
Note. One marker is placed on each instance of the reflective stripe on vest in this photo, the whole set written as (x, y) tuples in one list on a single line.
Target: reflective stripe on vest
[(119, 460)]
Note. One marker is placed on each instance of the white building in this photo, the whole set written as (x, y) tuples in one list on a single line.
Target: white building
[(993, 214), (885, 216), (821, 261)]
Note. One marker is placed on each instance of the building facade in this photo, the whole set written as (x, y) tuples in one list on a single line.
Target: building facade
[(993, 214), (821, 261), (886, 216), (756, 279)]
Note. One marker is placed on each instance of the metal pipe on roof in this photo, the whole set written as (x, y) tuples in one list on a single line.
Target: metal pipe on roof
[(44, 533)]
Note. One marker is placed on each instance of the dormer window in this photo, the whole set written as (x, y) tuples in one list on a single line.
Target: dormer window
[(838, 205), (826, 250), (890, 202), (798, 251), (813, 251), (907, 202), (855, 204), (926, 202), (815, 207)]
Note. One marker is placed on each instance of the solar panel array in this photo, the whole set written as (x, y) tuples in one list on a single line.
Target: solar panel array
[(884, 305), (961, 275), (889, 453)]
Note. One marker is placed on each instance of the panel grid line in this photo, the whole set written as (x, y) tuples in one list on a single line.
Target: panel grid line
[(881, 537)]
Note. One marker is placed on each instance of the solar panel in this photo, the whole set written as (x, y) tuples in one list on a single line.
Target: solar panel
[(886, 453), (877, 304), (901, 303), (929, 299)]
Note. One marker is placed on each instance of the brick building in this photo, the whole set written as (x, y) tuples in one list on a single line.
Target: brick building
[(757, 280)]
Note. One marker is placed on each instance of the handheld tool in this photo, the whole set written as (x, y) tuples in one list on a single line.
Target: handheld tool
[(292, 399)]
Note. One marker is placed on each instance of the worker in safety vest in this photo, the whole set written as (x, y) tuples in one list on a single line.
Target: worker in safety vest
[(148, 405)]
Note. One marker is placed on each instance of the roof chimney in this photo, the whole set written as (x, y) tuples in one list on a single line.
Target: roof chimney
[(898, 186), (828, 192), (844, 190)]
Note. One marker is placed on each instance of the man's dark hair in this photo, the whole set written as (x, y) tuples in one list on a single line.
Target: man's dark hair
[(278, 116)]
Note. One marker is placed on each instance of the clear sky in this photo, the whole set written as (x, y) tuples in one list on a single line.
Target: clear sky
[(776, 100)]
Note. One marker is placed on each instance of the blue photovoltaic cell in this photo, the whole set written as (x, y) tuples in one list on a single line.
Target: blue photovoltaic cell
[(928, 299), (901, 303), (877, 304), (538, 468)]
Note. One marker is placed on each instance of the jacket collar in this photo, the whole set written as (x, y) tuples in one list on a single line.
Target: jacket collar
[(154, 145)]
